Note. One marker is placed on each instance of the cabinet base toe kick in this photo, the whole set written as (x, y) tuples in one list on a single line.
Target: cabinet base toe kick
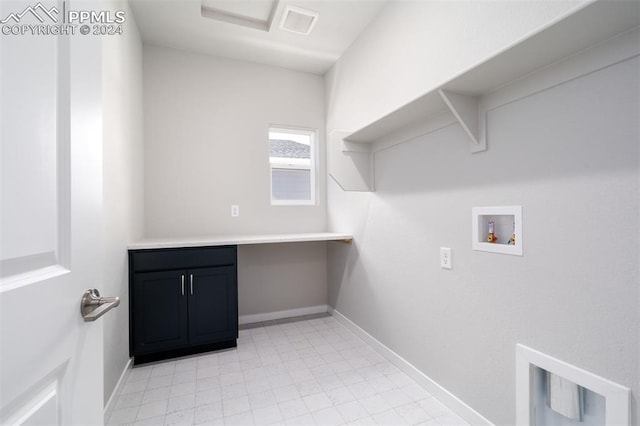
[(176, 353)]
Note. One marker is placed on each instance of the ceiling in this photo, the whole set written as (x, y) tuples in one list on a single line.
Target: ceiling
[(250, 30)]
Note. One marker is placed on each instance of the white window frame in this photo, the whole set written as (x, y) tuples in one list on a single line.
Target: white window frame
[(296, 164)]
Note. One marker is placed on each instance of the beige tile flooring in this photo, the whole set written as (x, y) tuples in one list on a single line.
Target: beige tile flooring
[(306, 372)]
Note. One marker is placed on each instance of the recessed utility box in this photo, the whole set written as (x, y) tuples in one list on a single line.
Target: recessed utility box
[(497, 229), (603, 398)]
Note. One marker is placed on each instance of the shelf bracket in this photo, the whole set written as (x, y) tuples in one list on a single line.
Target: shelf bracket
[(347, 241), (348, 146), (466, 110), (350, 163)]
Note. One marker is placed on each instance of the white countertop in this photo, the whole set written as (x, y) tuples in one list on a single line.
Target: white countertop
[(225, 240)]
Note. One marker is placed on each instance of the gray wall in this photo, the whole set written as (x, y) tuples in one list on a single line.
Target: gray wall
[(569, 157), (206, 147), (273, 278), (123, 182), (572, 164), (412, 47), (206, 144)]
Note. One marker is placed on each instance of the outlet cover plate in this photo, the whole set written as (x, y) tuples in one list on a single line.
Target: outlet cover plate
[(445, 257)]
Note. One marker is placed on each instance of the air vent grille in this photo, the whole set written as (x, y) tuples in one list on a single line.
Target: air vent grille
[(298, 20)]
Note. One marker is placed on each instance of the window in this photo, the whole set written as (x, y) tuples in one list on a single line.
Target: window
[(292, 166)]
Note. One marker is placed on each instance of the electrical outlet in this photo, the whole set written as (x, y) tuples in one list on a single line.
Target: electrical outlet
[(445, 257), (235, 210)]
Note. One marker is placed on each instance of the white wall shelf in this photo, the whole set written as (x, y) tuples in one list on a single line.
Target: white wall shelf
[(461, 98), (507, 221)]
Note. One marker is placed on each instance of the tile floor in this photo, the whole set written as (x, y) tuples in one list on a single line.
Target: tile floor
[(308, 372)]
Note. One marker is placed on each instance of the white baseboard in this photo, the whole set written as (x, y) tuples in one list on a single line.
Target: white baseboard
[(248, 319), (443, 395), (116, 390)]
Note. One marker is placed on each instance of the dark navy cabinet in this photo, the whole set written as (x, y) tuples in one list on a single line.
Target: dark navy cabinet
[(159, 312), (182, 301), (211, 317)]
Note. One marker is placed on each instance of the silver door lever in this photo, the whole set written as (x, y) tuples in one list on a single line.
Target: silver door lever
[(92, 306)]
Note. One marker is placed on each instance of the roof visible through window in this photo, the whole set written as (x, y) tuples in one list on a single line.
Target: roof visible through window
[(288, 149)]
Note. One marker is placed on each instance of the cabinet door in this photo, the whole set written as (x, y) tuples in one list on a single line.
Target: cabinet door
[(213, 304), (160, 311)]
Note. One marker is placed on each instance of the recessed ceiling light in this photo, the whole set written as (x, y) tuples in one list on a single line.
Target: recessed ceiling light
[(298, 20)]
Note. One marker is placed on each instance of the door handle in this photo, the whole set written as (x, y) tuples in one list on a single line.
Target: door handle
[(92, 306), (182, 281), (191, 283)]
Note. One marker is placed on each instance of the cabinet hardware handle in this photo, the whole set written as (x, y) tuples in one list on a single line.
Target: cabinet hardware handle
[(182, 279), (191, 282)]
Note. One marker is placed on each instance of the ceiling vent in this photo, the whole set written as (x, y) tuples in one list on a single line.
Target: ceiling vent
[(251, 14), (298, 20)]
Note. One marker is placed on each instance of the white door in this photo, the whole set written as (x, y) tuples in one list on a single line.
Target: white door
[(51, 366)]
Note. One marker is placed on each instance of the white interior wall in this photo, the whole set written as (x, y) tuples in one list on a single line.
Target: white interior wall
[(414, 46), (206, 147), (123, 164), (282, 277), (206, 144), (574, 292), (568, 155)]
